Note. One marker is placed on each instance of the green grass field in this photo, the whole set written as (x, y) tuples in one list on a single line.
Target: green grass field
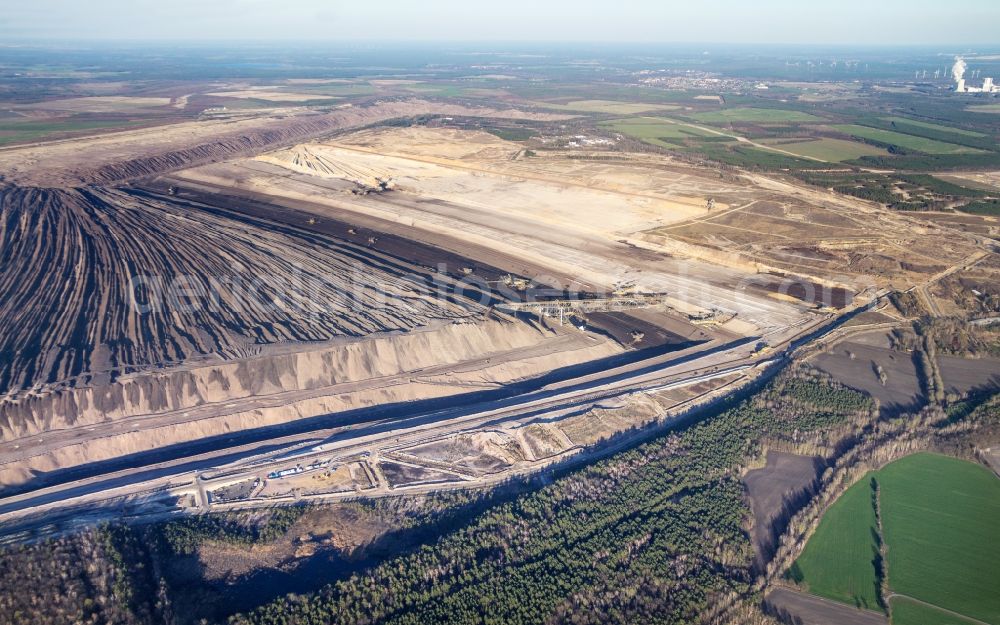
[(441, 90), (911, 142), (929, 126), (11, 132), (984, 108), (512, 134), (837, 563), (656, 130), (906, 612), (941, 521), (338, 89), (942, 525), (834, 150), (609, 106), (747, 156), (755, 115)]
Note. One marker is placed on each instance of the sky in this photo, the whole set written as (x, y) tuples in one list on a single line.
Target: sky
[(881, 22)]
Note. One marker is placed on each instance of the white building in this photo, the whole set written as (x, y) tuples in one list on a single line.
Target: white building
[(958, 73), (988, 87)]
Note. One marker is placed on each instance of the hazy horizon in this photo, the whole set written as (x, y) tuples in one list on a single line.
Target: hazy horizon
[(778, 22)]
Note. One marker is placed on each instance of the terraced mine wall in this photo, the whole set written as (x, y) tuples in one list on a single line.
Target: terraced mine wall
[(334, 369), (182, 406)]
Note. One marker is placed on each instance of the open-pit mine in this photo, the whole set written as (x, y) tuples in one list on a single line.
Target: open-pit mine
[(313, 329), (230, 313)]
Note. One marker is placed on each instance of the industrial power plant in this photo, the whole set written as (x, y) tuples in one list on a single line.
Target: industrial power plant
[(958, 73)]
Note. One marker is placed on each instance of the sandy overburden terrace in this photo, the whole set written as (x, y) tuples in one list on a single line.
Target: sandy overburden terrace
[(489, 175), (576, 216)]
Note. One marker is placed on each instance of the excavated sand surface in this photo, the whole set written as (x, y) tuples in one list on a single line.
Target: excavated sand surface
[(477, 170), (133, 321), (186, 321), (228, 397), (574, 218)]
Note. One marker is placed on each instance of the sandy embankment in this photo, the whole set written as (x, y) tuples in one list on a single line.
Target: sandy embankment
[(390, 369)]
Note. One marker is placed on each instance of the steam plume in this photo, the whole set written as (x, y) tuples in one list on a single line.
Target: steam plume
[(958, 69)]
